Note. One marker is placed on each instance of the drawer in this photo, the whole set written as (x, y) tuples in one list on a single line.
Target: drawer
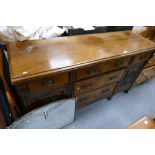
[(49, 84), (30, 100), (85, 86), (95, 95), (149, 72), (141, 78), (151, 62), (142, 57), (102, 68), (33, 101), (45, 99)]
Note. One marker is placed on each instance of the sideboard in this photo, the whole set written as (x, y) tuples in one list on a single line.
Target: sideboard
[(88, 67)]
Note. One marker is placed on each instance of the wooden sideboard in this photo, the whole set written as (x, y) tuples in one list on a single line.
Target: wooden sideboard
[(88, 67)]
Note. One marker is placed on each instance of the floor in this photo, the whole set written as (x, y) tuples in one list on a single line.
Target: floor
[(122, 110)]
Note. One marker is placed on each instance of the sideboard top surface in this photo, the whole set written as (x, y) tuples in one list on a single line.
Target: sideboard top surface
[(35, 58)]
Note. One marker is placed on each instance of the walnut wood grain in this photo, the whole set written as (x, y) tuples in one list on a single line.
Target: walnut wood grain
[(87, 85), (94, 95), (51, 83), (102, 68), (142, 57), (149, 72), (141, 78), (145, 122), (145, 75), (30, 59), (151, 62), (52, 69)]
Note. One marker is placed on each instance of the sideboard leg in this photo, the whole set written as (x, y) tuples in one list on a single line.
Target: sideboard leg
[(109, 98), (126, 91)]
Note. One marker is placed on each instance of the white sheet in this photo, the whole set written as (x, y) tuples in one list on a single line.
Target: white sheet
[(21, 33)]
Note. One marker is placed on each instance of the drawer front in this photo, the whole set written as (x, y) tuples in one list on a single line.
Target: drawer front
[(37, 93), (28, 101), (123, 86), (102, 68), (45, 99), (149, 72), (95, 95), (97, 82), (141, 78), (142, 57), (151, 62), (49, 84)]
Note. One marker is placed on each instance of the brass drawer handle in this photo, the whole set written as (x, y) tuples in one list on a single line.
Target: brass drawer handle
[(119, 63), (92, 71), (49, 83), (105, 90), (112, 77)]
